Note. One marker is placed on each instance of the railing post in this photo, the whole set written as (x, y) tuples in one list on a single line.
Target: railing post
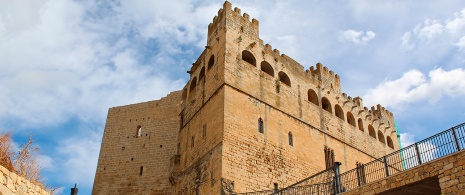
[(337, 179), (359, 180), (457, 145), (386, 167), (418, 153)]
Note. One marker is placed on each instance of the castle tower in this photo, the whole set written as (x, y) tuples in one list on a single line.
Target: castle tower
[(248, 119)]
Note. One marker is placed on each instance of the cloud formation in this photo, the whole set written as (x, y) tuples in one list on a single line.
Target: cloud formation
[(357, 37), (414, 86), (451, 30)]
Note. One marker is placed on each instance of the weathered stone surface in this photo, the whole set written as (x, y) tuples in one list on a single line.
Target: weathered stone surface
[(11, 183)]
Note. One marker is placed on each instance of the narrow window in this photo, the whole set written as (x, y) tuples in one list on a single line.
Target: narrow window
[(248, 57), (275, 187), (284, 78), (389, 142), (141, 170), (350, 119), (326, 105), (371, 131), (329, 157), (266, 68), (260, 125), (291, 141), (181, 121), (204, 130), (339, 112), (312, 97), (184, 94), (139, 131), (193, 84), (202, 74), (211, 62), (381, 137), (192, 142), (360, 124)]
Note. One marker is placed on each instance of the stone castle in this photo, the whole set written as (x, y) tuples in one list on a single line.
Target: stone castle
[(249, 119)]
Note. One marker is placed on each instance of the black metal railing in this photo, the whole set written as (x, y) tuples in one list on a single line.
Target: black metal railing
[(322, 183), (330, 181), (431, 148)]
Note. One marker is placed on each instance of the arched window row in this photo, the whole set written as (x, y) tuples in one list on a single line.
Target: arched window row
[(326, 105), (211, 63)]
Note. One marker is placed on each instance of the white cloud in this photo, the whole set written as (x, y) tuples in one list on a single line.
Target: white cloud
[(357, 37), (78, 160), (450, 30), (406, 139), (414, 86), (461, 43)]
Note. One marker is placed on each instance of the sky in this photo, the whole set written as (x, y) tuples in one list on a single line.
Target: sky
[(63, 63)]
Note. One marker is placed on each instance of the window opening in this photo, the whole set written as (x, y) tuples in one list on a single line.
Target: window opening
[(381, 137), (139, 131), (211, 62), (266, 67), (350, 119), (202, 74), (329, 157), (371, 131), (284, 78), (141, 170), (389, 142), (248, 57), (291, 141), (204, 130), (339, 112), (360, 124), (326, 105), (193, 84), (192, 142), (260, 125), (312, 97)]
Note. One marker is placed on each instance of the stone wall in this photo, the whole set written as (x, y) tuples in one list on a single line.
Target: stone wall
[(14, 184), (138, 162), (449, 171)]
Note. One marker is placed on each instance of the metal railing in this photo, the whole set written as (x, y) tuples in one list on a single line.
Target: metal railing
[(330, 181), (431, 148)]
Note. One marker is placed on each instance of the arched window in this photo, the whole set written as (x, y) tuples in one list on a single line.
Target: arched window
[(389, 142), (139, 131), (211, 62), (260, 125), (193, 84), (350, 118), (248, 57), (291, 141), (381, 137), (284, 78), (326, 105), (202, 73), (184, 94), (266, 67), (371, 131), (338, 111), (360, 124), (312, 97)]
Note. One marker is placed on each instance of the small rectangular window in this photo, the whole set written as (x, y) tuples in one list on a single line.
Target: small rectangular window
[(204, 130), (329, 157), (141, 170), (192, 142), (260, 125)]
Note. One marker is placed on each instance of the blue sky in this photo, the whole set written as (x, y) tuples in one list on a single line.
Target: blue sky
[(63, 63)]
